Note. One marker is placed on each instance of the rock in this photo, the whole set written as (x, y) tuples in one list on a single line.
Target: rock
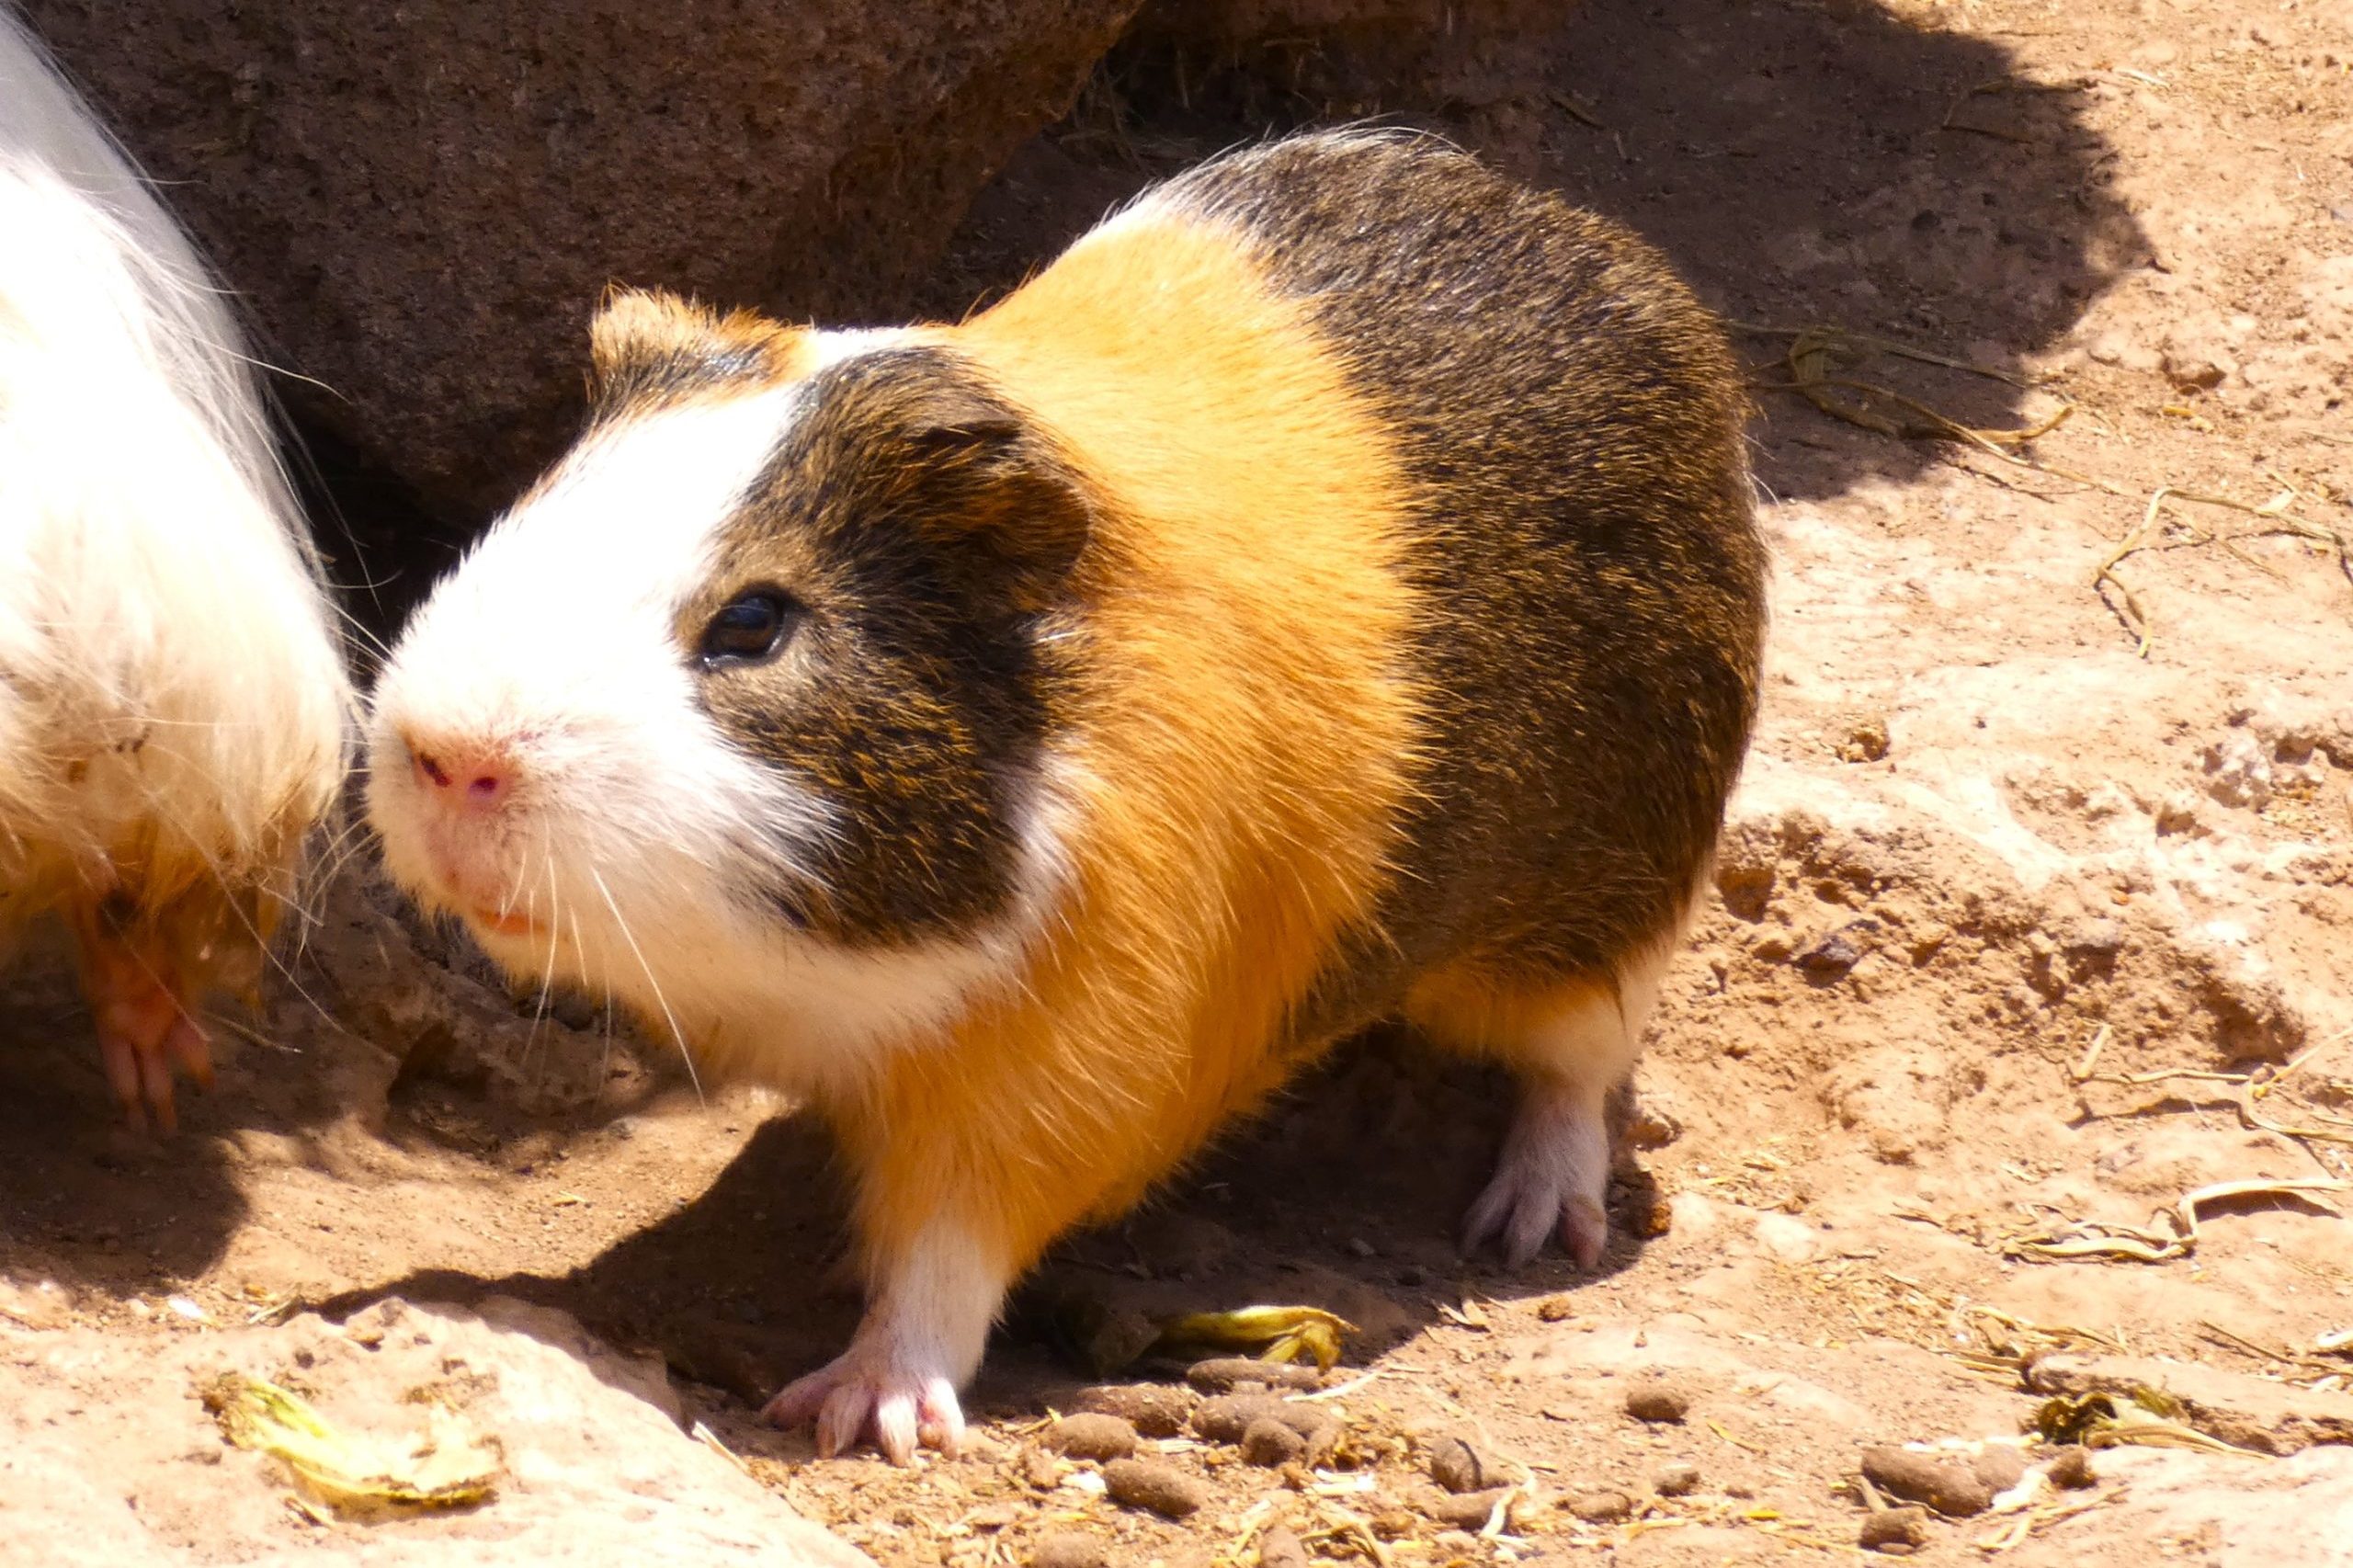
[(1948, 1486), (2238, 772), (2243, 1410), (1456, 1465), (1225, 1419), (1898, 1532), (1556, 1308), (1657, 1397), (1865, 741), (41, 1306), (1678, 1479), (2240, 1512), (1278, 1546), (1089, 1436), (1269, 1444), (596, 1469), (1226, 1373), (1652, 1126), (422, 203), (1999, 1466), (2073, 1468), (1787, 1238), (1828, 959), (1177, 1245), (1605, 1505), (2190, 371), (1148, 1483), (1466, 50), (1068, 1549), (1155, 1410), (1469, 1511)]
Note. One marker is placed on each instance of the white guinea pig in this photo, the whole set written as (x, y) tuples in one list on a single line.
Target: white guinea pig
[(173, 700)]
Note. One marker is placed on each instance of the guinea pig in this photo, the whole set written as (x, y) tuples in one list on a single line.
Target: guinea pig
[(175, 714), (1329, 591)]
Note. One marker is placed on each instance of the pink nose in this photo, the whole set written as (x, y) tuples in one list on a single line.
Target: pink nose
[(464, 777)]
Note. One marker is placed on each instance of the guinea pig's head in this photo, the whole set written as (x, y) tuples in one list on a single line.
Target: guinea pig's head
[(749, 701)]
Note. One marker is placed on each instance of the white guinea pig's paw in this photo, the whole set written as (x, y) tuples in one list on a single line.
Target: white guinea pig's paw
[(867, 1390), (1553, 1175), (144, 1029)]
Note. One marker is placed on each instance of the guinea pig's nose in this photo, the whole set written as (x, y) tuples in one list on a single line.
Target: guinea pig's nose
[(474, 776)]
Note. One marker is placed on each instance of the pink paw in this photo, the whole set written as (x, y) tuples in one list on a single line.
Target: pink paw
[(1553, 1175), (143, 1027), (860, 1393)]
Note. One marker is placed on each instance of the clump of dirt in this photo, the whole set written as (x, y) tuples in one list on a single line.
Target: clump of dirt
[(2014, 1042)]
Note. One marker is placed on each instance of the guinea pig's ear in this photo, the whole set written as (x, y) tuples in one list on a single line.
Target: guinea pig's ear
[(647, 342), (995, 491)]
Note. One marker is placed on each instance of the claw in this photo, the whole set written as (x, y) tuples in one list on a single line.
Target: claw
[(1553, 1175), (861, 1393)]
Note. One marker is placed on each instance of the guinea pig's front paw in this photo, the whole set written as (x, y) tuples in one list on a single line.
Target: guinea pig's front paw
[(866, 1390), (144, 1029), (1554, 1173)]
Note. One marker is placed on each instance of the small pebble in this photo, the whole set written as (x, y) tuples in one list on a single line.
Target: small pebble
[(1470, 1511), (1455, 1465), (1269, 1444), (2073, 1468), (1148, 1483), (1656, 1398), (1039, 1470), (1393, 1524), (1092, 1437), (1556, 1308), (1155, 1410), (1067, 1548), (1226, 1373), (1679, 1479), (1225, 1418), (1279, 1548), (1896, 1532), (1951, 1489), (1605, 1507)]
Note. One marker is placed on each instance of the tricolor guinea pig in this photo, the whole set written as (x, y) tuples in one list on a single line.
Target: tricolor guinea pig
[(174, 709), (1329, 591)]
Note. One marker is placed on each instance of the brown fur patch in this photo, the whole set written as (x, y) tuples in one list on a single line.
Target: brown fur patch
[(648, 348)]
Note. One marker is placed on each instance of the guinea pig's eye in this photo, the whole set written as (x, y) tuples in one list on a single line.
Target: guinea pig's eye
[(750, 627)]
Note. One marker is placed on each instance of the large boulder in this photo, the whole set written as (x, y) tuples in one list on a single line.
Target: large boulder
[(1346, 57), (422, 201)]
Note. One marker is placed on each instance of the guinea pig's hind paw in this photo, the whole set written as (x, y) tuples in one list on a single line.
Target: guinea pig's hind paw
[(854, 1396), (1553, 1175)]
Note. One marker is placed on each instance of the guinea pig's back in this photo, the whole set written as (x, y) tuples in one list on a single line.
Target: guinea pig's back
[(1590, 580)]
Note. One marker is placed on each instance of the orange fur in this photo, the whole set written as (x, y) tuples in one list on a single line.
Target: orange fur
[(1237, 766), (1485, 1015)]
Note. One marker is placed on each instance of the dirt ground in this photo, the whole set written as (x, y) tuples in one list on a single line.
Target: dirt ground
[(2033, 918)]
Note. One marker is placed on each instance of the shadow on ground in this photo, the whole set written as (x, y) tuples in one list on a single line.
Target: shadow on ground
[(1346, 1196), (1803, 162)]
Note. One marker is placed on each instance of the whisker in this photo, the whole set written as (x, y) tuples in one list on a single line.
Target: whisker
[(676, 1034)]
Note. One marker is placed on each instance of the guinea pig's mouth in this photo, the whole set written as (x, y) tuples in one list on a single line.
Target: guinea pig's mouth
[(506, 922)]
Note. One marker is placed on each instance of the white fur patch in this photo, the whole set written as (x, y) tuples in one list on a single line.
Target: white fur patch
[(171, 694), (636, 839)]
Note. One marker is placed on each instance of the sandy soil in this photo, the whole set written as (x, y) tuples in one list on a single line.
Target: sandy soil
[(1989, 833)]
